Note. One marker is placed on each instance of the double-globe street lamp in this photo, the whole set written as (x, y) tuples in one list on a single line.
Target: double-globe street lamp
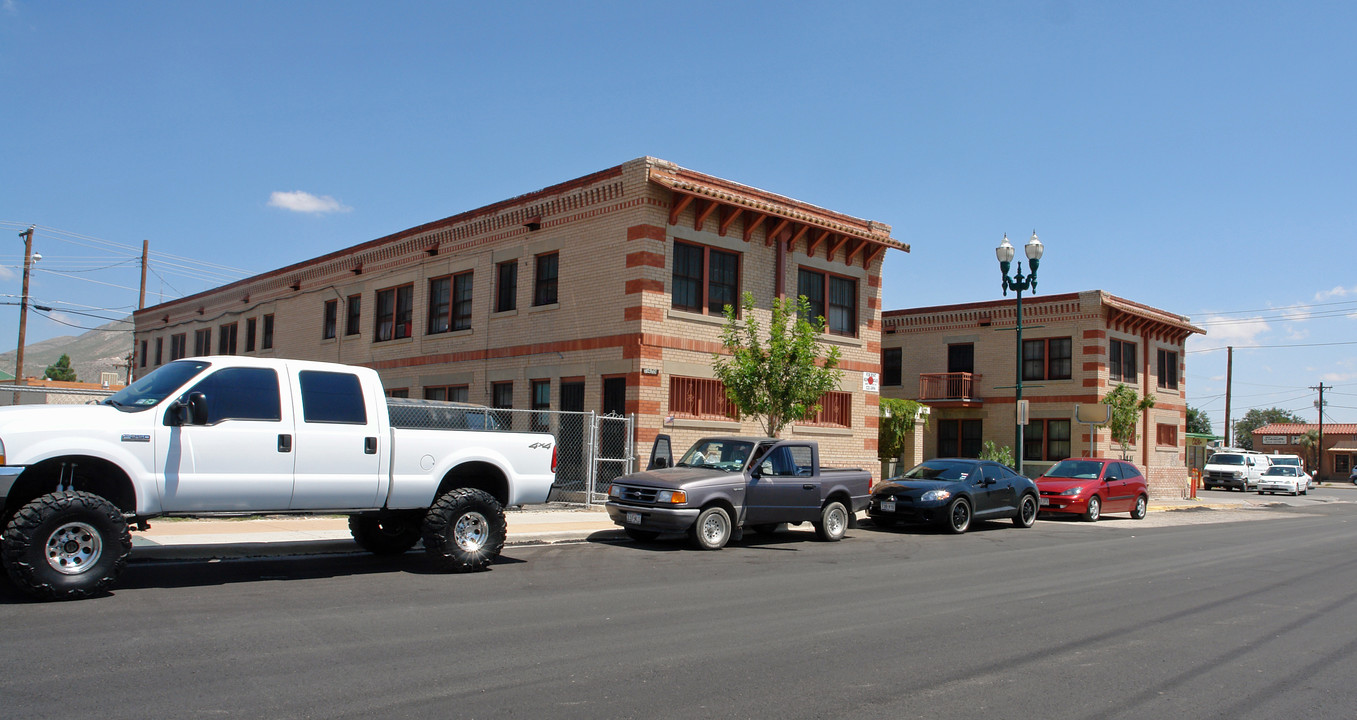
[(1018, 283)]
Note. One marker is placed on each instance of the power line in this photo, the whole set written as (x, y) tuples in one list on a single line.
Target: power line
[(1270, 347)]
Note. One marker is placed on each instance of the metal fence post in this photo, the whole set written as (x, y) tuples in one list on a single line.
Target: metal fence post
[(592, 462)]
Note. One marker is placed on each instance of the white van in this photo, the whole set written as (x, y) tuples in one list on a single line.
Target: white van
[(1233, 469), (1293, 461)]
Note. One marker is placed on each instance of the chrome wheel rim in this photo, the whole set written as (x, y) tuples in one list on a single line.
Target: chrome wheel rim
[(74, 548), (1029, 510), (835, 521), (1095, 507), (471, 531), (713, 528), (1140, 507)]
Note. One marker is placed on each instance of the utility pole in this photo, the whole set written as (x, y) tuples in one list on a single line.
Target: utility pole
[(27, 235), (145, 249), (1229, 376), (1319, 471)]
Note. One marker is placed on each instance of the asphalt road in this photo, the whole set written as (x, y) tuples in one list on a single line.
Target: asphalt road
[(1204, 614)]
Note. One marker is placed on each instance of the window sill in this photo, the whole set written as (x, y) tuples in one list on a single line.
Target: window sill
[(841, 340), (394, 341), (690, 316), (544, 308), (448, 334), (822, 430), (505, 313), (704, 424)]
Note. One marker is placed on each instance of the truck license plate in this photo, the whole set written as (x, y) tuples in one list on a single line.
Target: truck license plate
[(634, 518), (887, 506)]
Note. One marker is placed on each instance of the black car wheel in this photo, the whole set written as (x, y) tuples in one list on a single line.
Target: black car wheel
[(1027, 512), (958, 516)]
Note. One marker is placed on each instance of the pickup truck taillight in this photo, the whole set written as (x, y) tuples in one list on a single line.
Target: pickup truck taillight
[(553, 458)]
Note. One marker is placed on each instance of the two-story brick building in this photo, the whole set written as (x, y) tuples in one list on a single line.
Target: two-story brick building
[(1336, 457), (601, 293), (962, 361)]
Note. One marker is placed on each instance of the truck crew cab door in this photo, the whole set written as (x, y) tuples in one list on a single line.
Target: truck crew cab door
[(339, 442), (217, 445)]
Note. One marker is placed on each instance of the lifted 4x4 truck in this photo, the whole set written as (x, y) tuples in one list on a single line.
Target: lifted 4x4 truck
[(725, 484), (214, 436)]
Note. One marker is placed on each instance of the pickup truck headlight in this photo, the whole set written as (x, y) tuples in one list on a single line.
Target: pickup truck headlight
[(672, 497), (1237, 474), (1072, 491), (932, 495), (614, 491)]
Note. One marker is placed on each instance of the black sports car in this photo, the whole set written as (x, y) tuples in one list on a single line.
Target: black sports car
[(953, 491)]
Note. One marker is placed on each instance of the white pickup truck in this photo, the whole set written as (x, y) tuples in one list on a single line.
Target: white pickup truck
[(211, 436)]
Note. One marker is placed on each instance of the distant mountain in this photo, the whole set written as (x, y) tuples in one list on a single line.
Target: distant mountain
[(103, 349)]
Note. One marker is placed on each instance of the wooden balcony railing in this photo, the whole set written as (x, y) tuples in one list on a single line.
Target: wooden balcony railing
[(947, 386)]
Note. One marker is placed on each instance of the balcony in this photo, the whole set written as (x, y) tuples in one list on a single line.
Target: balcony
[(958, 388)]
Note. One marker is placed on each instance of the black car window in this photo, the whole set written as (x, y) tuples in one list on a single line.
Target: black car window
[(953, 470), (1129, 471), (331, 397), (241, 393), (994, 472)]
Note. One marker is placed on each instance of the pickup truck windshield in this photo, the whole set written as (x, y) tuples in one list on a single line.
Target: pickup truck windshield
[(727, 455), (148, 391)]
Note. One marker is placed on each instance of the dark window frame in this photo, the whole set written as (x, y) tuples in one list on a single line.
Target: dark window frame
[(226, 338), (892, 369), (715, 285), (144, 348), (329, 326), (251, 328), (202, 342), (823, 299), (1041, 362), (398, 312), (159, 350), (1042, 441), (445, 393), (353, 314), (506, 288), (546, 279), (266, 336), (1167, 361), (964, 437), (1121, 354)]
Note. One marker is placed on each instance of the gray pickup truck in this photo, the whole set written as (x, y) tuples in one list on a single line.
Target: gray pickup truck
[(725, 484)]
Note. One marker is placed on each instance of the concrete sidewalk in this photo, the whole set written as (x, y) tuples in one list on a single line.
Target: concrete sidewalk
[(192, 539)]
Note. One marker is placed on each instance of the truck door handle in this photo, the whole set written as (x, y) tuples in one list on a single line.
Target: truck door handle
[(808, 486), (284, 443), (370, 445)]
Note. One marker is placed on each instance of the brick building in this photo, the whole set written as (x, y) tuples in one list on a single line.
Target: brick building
[(601, 293), (1337, 454), (961, 360)]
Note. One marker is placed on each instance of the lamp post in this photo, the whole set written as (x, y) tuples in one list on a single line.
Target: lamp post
[(1018, 283)]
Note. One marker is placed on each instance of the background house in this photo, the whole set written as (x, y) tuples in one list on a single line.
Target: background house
[(1336, 455), (962, 361)]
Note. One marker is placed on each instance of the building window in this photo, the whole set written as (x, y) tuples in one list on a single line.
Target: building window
[(1046, 440), (202, 342), (398, 392), (1047, 359), (395, 313), (832, 297), (226, 339), (1121, 360), (1341, 463), (506, 286), (266, 342), (354, 310), (159, 348), (328, 327), (705, 279), (891, 367), (700, 398), (544, 283), (1168, 370), (541, 400), (960, 438), (502, 398), (250, 326), (1166, 434), (178, 346), (143, 353), (836, 408), (450, 303), (449, 393)]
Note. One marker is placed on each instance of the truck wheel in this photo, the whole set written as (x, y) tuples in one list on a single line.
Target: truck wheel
[(66, 545), (712, 529), (833, 522), (386, 533), (464, 530)]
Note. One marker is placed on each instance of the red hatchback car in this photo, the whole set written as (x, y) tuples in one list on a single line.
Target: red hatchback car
[(1092, 486)]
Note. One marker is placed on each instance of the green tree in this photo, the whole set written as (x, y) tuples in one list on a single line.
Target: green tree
[(1002, 455), (897, 420), (1309, 441), (60, 370), (1198, 421), (1127, 405), (1256, 418), (785, 380)]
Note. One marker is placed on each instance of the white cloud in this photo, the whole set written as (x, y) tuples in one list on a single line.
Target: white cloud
[(7, 273), (11, 7), (1337, 377), (1337, 292), (305, 202), (1229, 331)]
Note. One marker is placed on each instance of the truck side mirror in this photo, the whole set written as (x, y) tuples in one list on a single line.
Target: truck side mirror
[(659, 463)]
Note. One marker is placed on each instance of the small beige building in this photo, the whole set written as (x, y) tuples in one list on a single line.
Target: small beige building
[(602, 293), (962, 361)]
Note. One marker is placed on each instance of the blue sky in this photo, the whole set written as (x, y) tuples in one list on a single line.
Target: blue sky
[(1198, 157)]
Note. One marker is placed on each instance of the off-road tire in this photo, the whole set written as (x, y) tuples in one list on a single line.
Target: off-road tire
[(1028, 507), (833, 523), (464, 530), (958, 517), (712, 530), (389, 533), (641, 535), (66, 546)]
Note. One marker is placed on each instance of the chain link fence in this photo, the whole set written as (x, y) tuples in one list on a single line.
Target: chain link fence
[(41, 395)]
